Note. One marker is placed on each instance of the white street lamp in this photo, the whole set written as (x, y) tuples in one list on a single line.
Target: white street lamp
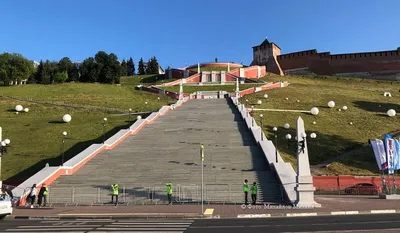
[(313, 135), (138, 117), (288, 136), (286, 126), (274, 129)]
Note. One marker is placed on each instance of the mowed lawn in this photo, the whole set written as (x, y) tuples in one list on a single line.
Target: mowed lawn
[(367, 109), (36, 136)]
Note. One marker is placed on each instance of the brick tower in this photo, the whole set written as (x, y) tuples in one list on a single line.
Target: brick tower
[(266, 54)]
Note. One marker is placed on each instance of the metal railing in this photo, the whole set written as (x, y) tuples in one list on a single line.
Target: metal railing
[(213, 193), (354, 190)]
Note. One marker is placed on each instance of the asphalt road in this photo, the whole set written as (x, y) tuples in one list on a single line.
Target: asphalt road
[(350, 223)]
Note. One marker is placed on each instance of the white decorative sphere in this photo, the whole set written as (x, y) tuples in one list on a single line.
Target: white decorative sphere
[(274, 129), (303, 135), (314, 123), (16, 113), (288, 136), (351, 123), (287, 98), (26, 110), (313, 135), (7, 141), (158, 98), (67, 118), (331, 104), (286, 126), (18, 108), (344, 108), (265, 96), (3, 144), (339, 109), (298, 101), (105, 119), (259, 102), (65, 133), (138, 117), (314, 111), (391, 113), (145, 102)]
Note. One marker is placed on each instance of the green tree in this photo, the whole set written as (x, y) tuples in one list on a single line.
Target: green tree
[(398, 48), (15, 67), (50, 69), (66, 65), (40, 73), (131, 67), (141, 69), (124, 68), (89, 71), (152, 66), (60, 77)]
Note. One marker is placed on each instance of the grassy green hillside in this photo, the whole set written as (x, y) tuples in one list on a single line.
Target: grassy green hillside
[(367, 109), (36, 136)]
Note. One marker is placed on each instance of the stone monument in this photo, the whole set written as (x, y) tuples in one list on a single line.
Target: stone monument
[(304, 181)]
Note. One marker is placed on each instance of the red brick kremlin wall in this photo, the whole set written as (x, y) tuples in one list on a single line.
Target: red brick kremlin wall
[(372, 63)]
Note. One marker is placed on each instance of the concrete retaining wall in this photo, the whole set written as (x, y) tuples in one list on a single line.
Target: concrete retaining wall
[(284, 171), (48, 174)]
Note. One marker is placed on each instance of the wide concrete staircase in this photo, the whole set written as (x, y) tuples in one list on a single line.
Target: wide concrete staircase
[(168, 151)]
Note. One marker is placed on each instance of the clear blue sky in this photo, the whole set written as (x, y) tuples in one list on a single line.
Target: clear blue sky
[(181, 32)]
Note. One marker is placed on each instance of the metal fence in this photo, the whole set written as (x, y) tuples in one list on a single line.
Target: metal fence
[(355, 190), (212, 193)]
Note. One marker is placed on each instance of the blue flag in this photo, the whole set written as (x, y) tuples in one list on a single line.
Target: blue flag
[(389, 148), (396, 152)]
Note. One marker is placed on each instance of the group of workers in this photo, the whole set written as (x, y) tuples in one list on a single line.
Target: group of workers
[(253, 190)]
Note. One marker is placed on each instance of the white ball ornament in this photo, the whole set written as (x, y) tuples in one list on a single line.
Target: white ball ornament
[(18, 108), (17, 113), (286, 126), (314, 123), (344, 108), (67, 118), (339, 109), (265, 96), (138, 117), (26, 110), (331, 104), (351, 123), (259, 102), (314, 111), (391, 112), (287, 98)]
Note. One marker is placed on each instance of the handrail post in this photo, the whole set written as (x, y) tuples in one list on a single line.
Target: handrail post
[(73, 195)]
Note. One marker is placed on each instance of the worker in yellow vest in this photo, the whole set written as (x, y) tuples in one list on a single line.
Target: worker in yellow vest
[(245, 191), (115, 193), (169, 193), (254, 189), (43, 193)]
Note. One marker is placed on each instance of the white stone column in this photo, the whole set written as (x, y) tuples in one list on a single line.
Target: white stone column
[(181, 90), (304, 181), (223, 78), (237, 94), (258, 71), (198, 67), (229, 67)]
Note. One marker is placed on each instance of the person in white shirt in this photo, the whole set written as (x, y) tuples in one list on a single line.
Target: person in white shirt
[(32, 195)]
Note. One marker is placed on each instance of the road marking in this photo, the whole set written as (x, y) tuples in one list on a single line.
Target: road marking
[(301, 214), (254, 216), (382, 211), (53, 229), (127, 214), (344, 212), (209, 212)]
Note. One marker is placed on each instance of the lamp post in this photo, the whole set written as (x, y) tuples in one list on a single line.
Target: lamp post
[(261, 124), (313, 137), (202, 176), (300, 144), (104, 129), (252, 113), (275, 129), (63, 145), (3, 150)]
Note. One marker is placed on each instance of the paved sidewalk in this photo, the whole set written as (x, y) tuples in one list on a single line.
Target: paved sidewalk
[(331, 205)]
